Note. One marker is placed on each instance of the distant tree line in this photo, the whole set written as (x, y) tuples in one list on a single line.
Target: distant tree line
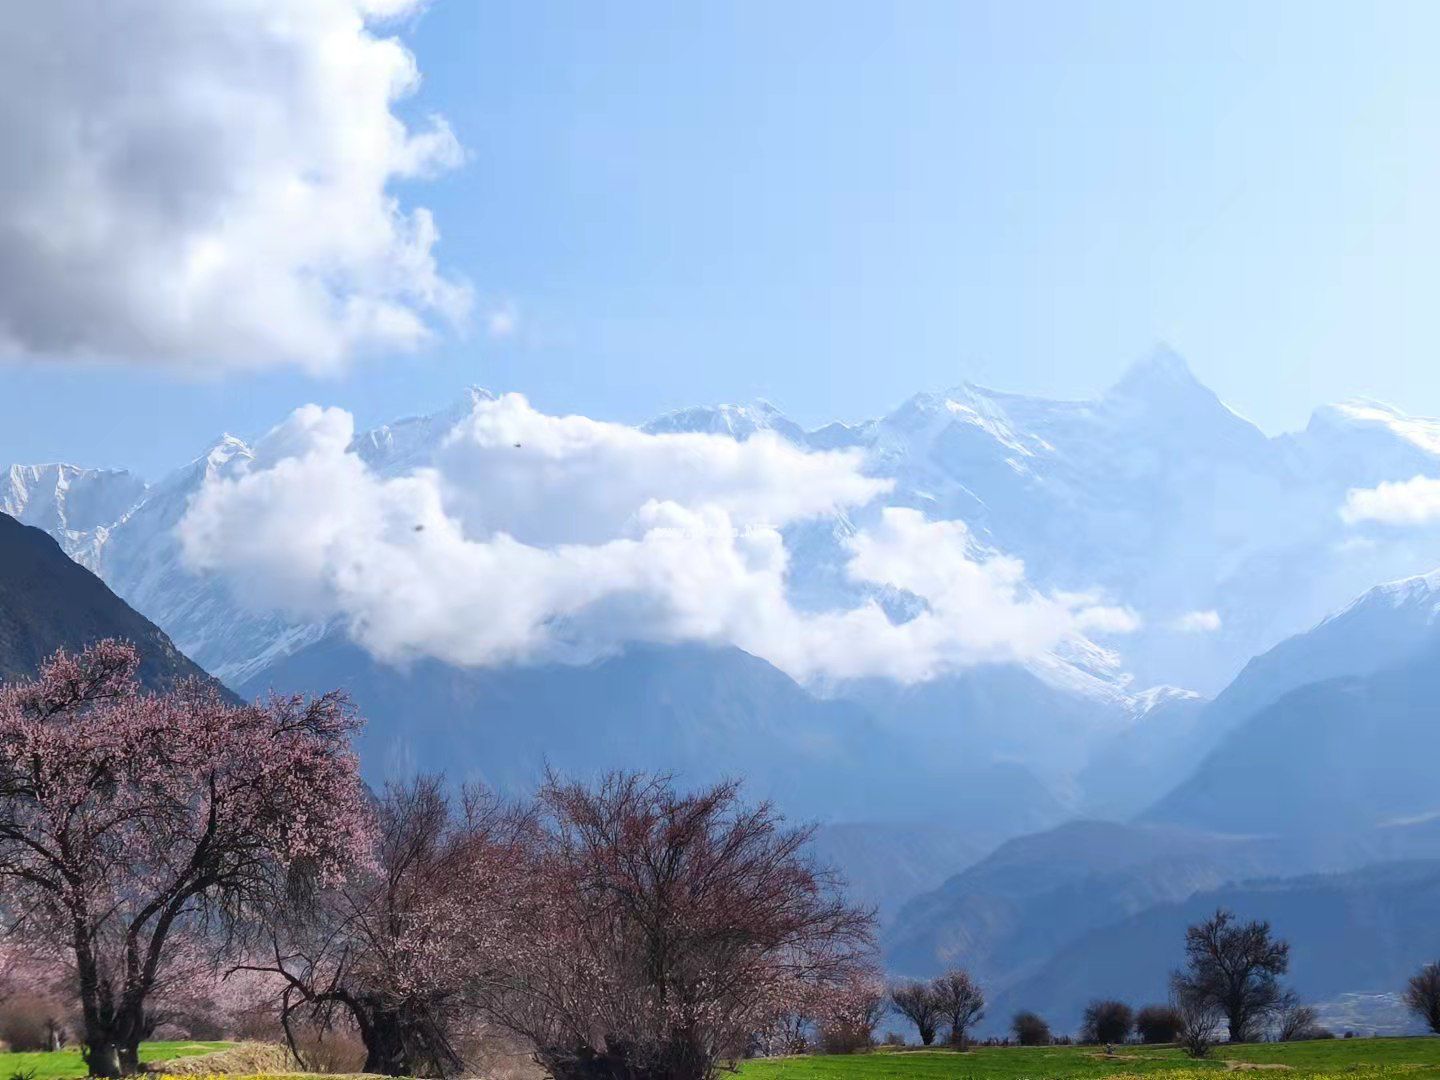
[(1230, 984)]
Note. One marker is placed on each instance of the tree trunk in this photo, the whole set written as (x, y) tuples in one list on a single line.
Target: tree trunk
[(113, 1049), (384, 1036)]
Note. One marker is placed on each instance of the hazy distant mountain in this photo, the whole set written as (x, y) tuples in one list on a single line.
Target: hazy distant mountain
[(48, 602), (1009, 912), (1009, 915), (885, 864), (1344, 754), (1355, 938), (1382, 628), (702, 713)]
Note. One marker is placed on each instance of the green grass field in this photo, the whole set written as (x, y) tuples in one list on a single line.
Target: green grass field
[(1359, 1058), (66, 1064)]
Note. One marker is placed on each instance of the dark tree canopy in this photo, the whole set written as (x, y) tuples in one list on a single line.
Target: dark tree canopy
[(1422, 995), (918, 1003), (1235, 968), (1107, 1021), (1158, 1023), (1030, 1029)]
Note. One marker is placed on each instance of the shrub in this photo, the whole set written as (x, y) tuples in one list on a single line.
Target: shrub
[(335, 1052), (1030, 1029), (1296, 1022), (1158, 1023), (1107, 1021), (32, 1022), (844, 1039)]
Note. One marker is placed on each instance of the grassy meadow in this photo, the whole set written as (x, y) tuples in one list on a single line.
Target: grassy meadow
[(66, 1064), (1418, 1058)]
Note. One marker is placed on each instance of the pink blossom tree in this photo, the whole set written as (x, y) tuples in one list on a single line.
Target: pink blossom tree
[(403, 947), (130, 823), (670, 933)]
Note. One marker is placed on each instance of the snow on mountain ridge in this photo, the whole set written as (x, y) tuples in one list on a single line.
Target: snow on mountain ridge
[(1155, 492), (1420, 431), (68, 501)]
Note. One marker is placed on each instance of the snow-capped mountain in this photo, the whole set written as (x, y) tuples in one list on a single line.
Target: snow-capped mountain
[(1154, 495), (74, 505)]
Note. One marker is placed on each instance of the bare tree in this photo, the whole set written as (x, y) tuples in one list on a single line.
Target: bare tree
[(1107, 1021), (1235, 968), (1422, 995), (918, 1003), (667, 929), (1199, 1025), (961, 1003), (1295, 1022), (1030, 1029)]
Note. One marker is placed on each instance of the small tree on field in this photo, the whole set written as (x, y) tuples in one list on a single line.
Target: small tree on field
[(1199, 1025), (667, 930), (1107, 1022), (1296, 1022), (918, 1003), (1235, 968), (849, 1014), (1158, 1023), (961, 1003), (1030, 1029), (1422, 996), (130, 823)]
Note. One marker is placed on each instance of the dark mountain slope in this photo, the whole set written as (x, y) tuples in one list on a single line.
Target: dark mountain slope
[(48, 602)]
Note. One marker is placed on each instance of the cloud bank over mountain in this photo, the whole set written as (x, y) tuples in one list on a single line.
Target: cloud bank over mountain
[(1395, 502), (211, 185), (535, 537)]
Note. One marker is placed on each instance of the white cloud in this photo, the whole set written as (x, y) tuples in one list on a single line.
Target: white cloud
[(211, 184), (1198, 622), (541, 537), (1395, 502)]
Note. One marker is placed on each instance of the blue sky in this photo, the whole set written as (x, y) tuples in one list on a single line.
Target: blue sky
[(835, 205)]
